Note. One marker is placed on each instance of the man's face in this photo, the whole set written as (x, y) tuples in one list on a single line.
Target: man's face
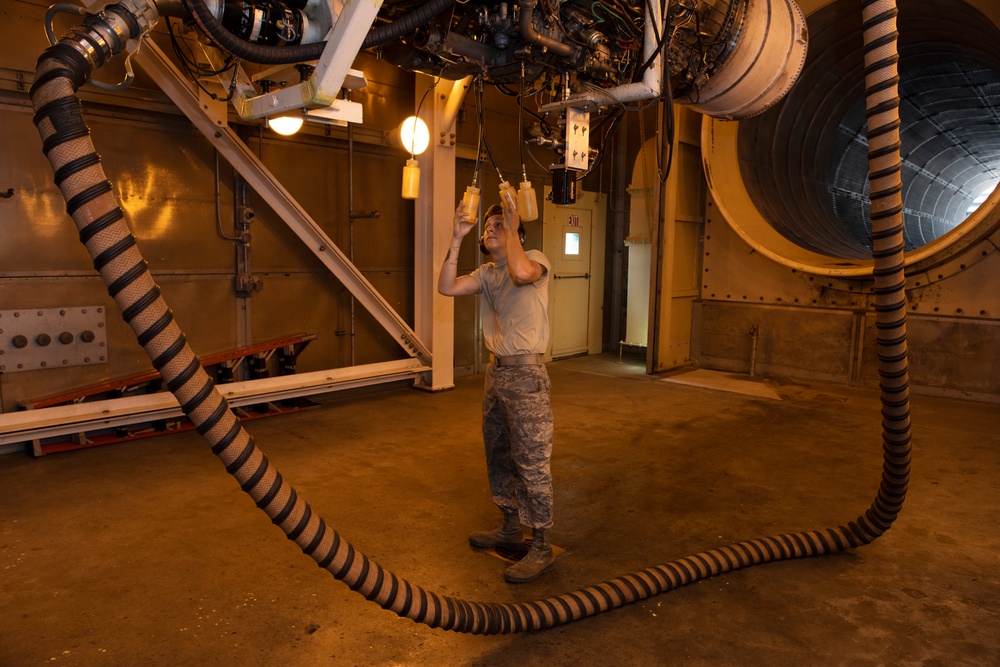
[(493, 233)]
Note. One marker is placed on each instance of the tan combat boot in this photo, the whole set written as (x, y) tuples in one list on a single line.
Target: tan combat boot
[(507, 535), (538, 560)]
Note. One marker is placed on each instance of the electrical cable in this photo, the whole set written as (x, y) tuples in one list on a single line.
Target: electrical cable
[(520, 124), (481, 114), (196, 71), (218, 206), (419, 107)]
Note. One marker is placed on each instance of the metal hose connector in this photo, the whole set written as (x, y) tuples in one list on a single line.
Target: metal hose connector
[(91, 202)]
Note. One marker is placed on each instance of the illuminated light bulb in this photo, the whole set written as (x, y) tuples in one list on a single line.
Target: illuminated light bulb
[(285, 125), (527, 202), (471, 201), (411, 179), (414, 135)]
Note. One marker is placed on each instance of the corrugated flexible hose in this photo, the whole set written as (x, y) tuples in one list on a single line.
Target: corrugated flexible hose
[(101, 223)]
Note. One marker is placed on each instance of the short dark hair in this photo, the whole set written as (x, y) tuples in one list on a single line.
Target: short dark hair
[(495, 209)]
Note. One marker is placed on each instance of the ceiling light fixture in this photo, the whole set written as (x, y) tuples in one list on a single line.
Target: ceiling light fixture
[(285, 125)]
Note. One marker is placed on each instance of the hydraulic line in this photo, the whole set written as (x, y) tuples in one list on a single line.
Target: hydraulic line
[(91, 202)]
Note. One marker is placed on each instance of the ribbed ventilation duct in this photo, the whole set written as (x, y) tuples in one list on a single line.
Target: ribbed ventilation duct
[(804, 164)]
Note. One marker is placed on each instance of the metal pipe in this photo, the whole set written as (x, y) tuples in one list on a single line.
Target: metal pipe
[(532, 36)]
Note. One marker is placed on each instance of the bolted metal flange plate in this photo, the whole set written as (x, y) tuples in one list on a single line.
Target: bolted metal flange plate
[(37, 338)]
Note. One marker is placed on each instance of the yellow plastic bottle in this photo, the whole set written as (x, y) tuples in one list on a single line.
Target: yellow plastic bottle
[(411, 179), (471, 201), (527, 203)]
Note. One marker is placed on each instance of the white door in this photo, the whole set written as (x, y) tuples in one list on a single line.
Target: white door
[(568, 234)]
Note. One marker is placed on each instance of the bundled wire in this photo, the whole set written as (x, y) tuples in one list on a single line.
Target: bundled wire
[(197, 71)]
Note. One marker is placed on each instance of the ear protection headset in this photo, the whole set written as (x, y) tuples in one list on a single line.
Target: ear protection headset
[(493, 210)]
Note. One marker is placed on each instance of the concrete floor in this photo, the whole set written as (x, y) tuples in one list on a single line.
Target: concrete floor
[(148, 554)]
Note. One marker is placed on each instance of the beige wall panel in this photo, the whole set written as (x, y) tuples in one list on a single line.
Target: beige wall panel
[(205, 309), (316, 175), (389, 96), (733, 271), (305, 303), (791, 342), (317, 304), (972, 292), (678, 351), (373, 342), (24, 37), (691, 186), (949, 356), (687, 238), (952, 325), (37, 234)]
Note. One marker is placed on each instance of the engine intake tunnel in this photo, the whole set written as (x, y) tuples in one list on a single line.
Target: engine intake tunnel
[(793, 182)]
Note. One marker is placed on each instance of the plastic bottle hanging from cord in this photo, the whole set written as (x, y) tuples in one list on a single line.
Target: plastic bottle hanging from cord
[(411, 179), (527, 202), (471, 201)]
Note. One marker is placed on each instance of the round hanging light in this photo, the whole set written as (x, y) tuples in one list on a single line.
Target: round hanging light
[(414, 135)]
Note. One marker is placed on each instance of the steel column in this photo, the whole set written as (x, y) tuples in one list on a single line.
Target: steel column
[(434, 314)]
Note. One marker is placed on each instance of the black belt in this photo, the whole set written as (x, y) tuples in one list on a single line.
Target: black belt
[(516, 360)]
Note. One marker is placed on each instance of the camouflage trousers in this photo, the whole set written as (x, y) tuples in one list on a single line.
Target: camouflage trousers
[(517, 432)]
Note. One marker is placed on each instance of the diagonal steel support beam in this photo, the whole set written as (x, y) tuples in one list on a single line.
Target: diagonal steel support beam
[(217, 131)]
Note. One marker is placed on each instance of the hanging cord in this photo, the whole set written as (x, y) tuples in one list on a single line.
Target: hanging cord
[(218, 205), (481, 114), (520, 125), (665, 157), (479, 148), (417, 115), (93, 205)]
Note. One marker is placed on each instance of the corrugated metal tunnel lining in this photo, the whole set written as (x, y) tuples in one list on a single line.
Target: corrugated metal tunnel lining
[(804, 163)]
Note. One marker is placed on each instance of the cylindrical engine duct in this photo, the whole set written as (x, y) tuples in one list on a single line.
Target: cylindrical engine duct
[(792, 182), (735, 58)]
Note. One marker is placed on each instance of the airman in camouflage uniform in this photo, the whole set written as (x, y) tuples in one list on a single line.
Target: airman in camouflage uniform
[(517, 414)]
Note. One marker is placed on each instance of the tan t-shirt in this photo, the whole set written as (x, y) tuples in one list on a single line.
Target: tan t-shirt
[(515, 319)]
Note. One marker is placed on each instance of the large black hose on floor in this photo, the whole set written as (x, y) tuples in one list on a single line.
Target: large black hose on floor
[(103, 230)]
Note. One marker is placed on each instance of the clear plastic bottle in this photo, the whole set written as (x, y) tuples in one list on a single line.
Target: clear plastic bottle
[(506, 190), (527, 203), (411, 179), (471, 201)]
